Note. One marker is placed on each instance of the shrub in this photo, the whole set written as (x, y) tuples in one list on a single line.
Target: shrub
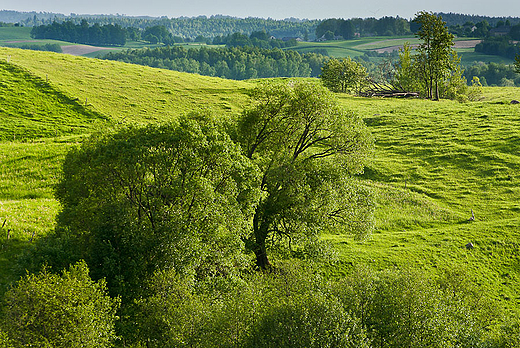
[(67, 310)]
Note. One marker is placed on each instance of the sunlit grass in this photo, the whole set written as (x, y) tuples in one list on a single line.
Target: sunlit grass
[(129, 93), (434, 163)]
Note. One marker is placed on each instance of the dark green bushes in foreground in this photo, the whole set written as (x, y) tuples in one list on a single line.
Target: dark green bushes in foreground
[(291, 306), (49, 310)]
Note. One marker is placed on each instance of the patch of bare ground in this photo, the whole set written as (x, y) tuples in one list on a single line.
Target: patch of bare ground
[(457, 44), (79, 50)]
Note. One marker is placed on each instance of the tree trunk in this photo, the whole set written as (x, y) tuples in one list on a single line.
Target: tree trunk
[(261, 257), (260, 250)]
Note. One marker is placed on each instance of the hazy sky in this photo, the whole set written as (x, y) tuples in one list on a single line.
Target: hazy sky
[(277, 9)]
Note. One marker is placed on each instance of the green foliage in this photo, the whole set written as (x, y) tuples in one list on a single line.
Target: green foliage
[(407, 309), (289, 308), (260, 39), (344, 75), (517, 63), (231, 62), (174, 315), (307, 148), (475, 91), (307, 320), (108, 34), (5, 342), (67, 310), (434, 61), (158, 33), (143, 199), (182, 27), (405, 74), (347, 28), (500, 46), (493, 74), (295, 307), (454, 86)]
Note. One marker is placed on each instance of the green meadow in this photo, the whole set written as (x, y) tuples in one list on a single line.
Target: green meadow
[(433, 164)]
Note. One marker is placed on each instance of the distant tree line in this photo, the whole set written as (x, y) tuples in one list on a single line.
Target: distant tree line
[(3, 24), (231, 62), (50, 47), (350, 28), (494, 74), (26, 18), (504, 46), (260, 39), (109, 34), (453, 19), (193, 27)]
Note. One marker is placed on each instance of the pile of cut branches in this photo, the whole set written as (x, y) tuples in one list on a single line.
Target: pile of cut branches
[(387, 90)]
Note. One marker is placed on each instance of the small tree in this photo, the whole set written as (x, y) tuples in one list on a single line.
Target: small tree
[(517, 63), (307, 149), (71, 310), (475, 90), (434, 61), (343, 75), (406, 76)]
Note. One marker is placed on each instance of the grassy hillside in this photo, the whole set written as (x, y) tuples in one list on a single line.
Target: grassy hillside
[(434, 163), (130, 92), (32, 108)]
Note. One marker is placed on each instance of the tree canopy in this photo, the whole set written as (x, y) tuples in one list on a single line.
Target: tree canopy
[(67, 310), (343, 75), (175, 196), (306, 148), (434, 61), (108, 34)]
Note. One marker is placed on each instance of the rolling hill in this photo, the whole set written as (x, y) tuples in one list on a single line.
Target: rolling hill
[(435, 162)]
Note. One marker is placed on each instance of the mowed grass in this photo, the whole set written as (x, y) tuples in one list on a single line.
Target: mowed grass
[(434, 163)]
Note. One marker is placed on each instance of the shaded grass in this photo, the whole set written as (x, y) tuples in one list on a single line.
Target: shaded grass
[(31, 108), (126, 92)]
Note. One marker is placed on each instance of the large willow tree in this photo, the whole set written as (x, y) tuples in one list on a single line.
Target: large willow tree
[(307, 149)]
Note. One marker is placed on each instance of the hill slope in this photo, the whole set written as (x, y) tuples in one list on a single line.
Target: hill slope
[(31, 108), (434, 163), (124, 91)]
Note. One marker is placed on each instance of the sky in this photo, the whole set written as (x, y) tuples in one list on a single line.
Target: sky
[(277, 9)]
